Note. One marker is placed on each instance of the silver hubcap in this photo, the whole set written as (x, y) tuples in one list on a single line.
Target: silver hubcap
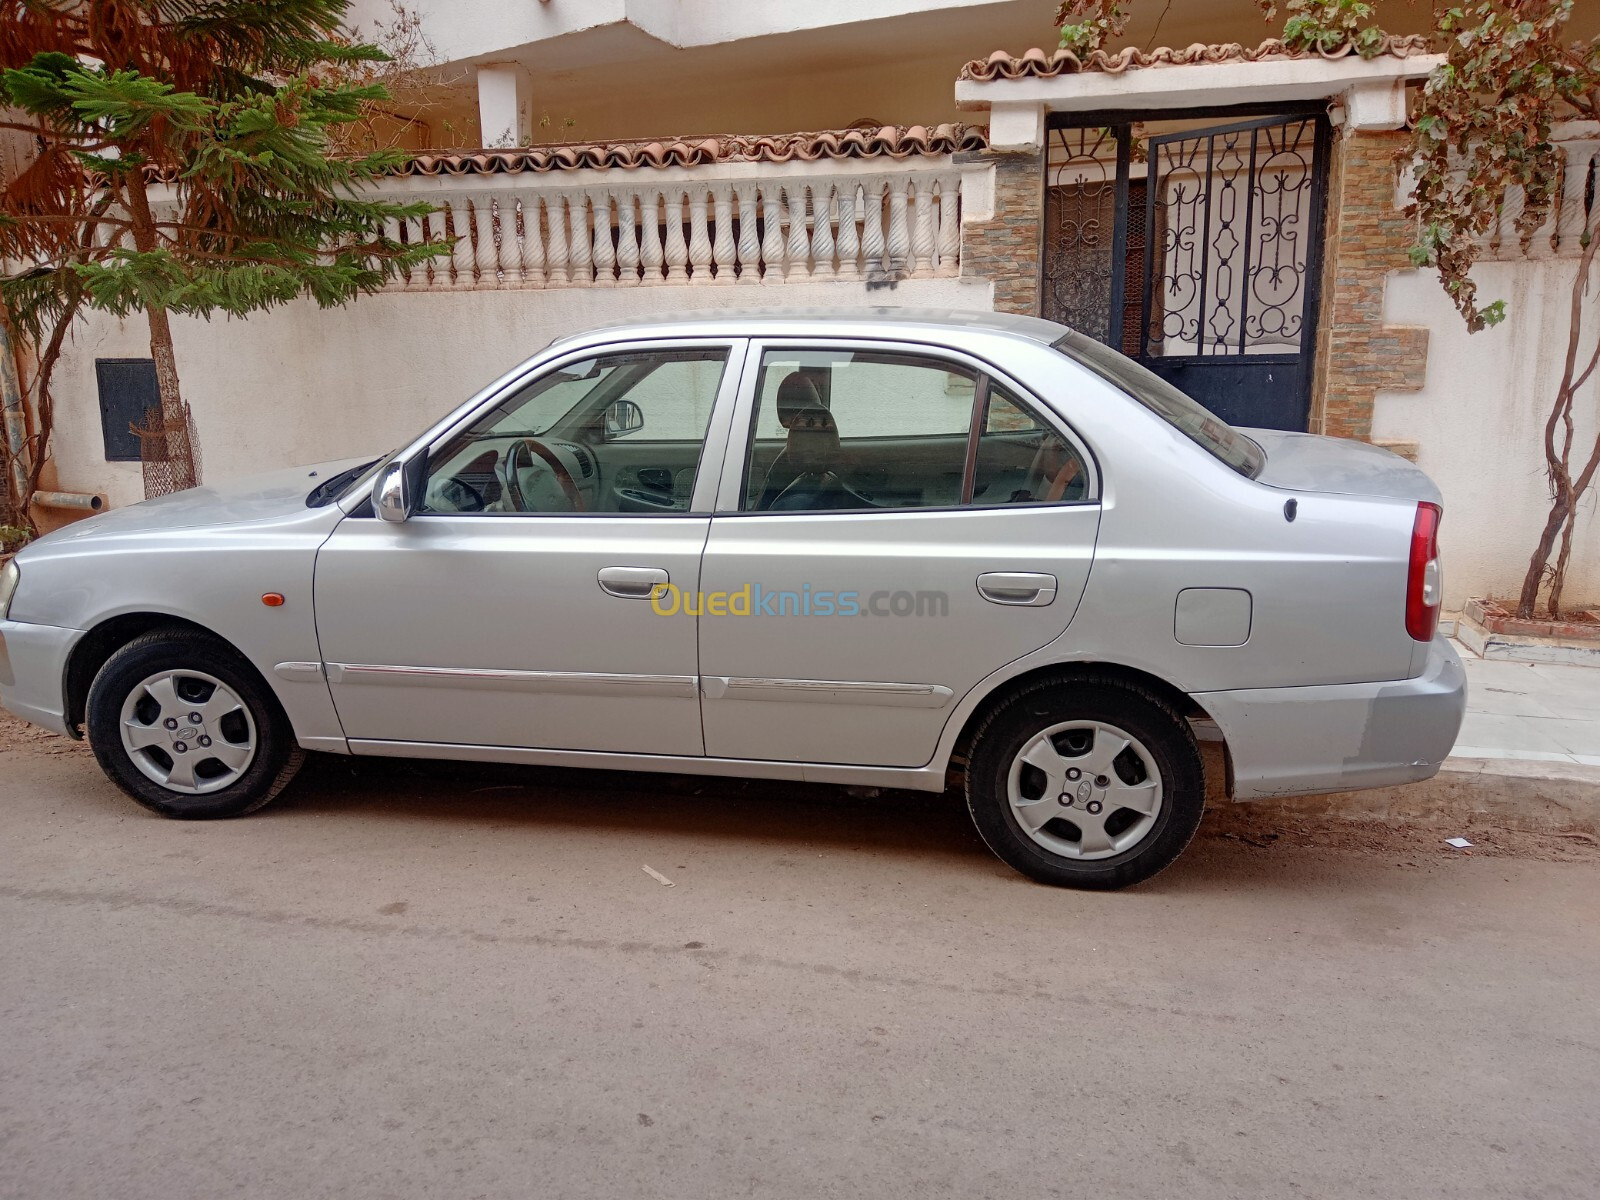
[(1085, 789), (188, 731)]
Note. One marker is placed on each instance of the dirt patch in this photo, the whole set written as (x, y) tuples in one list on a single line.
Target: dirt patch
[(1259, 826), (20, 737)]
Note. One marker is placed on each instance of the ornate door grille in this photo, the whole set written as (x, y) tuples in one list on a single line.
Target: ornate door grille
[(1197, 253)]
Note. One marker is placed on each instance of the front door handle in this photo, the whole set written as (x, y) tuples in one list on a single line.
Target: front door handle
[(632, 583), (1026, 588)]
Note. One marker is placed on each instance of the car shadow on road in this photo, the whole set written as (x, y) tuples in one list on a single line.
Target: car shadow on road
[(895, 825), (684, 805)]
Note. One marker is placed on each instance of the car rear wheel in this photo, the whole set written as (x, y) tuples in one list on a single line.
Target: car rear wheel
[(1092, 783), (184, 726)]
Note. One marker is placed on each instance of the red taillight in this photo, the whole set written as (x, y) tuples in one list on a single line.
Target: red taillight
[(1422, 578)]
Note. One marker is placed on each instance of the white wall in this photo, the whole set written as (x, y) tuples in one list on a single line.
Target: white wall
[(303, 385), (1480, 421)]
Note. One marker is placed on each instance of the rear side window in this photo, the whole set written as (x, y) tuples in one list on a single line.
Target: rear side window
[(1197, 423), (855, 430), (863, 430)]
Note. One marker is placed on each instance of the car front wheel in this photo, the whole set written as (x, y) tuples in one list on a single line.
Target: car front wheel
[(1089, 783), (184, 726)]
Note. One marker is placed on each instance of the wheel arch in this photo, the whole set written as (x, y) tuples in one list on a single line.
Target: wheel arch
[(96, 647), (1067, 673)]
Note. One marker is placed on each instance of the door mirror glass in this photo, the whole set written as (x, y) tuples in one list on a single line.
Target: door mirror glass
[(622, 418)]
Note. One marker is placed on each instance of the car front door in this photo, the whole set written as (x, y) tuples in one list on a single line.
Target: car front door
[(894, 524), (515, 608)]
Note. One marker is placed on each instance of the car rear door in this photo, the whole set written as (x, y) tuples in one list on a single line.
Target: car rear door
[(958, 536)]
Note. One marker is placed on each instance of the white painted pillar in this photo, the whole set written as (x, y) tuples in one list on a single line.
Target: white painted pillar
[(502, 106), (1375, 104), (1016, 126)]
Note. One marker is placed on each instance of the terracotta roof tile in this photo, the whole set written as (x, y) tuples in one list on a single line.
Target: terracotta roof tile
[(1036, 64), (890, 141)]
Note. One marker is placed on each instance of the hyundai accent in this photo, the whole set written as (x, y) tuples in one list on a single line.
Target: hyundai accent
[(867, 547)]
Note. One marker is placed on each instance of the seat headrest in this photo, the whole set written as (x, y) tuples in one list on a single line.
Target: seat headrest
[(797, 392), (813, 440)]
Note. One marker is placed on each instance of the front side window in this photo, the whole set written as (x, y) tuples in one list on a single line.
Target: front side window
[(616, 433), (859, 430)]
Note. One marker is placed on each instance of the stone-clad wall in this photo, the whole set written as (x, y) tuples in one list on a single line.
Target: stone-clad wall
[(1006, 248), (1367, 237)]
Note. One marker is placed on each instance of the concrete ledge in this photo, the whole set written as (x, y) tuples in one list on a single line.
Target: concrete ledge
[(1512, 647), (1541, 797)]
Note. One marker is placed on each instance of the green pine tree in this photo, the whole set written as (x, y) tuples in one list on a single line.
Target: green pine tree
[(183, 166)]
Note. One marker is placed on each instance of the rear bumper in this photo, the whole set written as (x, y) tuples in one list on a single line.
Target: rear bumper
[(33, 672), (1300, 741)]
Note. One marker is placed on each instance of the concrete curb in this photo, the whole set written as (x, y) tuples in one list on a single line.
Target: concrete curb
[(1540, 797)]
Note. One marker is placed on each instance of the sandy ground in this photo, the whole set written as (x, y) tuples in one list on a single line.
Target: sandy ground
[(410, 980)]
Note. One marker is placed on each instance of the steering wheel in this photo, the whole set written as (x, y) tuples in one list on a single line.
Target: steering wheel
[(520, 455)]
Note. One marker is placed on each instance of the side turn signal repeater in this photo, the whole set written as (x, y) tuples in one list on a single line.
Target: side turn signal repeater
[(273, 599)]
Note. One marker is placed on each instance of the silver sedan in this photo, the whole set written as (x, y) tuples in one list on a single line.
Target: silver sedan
[(861, 547)]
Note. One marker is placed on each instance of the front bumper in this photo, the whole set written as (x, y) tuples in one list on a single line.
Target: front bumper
[(1302, 741), (33, 672)]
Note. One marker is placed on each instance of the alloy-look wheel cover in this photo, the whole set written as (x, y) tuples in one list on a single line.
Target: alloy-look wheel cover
[(188, 732), (1085, 790)]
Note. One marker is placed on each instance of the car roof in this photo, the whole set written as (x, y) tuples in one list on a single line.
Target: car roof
[(924, 322)]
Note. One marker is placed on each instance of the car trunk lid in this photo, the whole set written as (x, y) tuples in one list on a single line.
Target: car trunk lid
[(1304, 462)]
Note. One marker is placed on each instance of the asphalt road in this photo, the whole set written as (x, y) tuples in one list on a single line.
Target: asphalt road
[(462, 983)]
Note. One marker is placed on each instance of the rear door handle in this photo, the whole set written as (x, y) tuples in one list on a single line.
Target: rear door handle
[(632, 583), (1024, 588)]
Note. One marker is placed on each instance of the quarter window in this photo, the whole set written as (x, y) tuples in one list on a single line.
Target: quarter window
[(617, 433), (1021, 460)]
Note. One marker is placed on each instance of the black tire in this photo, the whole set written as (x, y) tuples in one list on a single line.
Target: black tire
[(1161, 729), (277, 756)]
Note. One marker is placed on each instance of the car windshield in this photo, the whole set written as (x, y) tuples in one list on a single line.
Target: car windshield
[(1198, 424)]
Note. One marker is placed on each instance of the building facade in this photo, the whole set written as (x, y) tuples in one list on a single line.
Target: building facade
[(1225, 212)]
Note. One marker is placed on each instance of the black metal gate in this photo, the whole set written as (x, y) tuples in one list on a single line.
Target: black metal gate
[(1198, 252)]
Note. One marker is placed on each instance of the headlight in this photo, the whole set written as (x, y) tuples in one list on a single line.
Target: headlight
[(9, 575)]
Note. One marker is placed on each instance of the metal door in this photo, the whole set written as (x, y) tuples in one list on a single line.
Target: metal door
[(1198, 252)]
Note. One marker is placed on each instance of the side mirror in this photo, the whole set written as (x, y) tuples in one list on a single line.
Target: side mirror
[(398, 493), (623, 417)]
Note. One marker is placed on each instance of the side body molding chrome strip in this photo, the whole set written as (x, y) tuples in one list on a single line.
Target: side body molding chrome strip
[(585, 683), (567, 683), (826, 691)]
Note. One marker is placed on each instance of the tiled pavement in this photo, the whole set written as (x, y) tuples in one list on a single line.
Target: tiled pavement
[(1533, 712)]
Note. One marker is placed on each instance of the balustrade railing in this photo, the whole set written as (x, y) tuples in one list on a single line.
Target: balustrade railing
[(544, 231), (1572, 212)]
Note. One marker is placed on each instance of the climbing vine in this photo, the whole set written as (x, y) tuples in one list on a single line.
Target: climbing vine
[(1325, 25), (1484, 130), (1085, 25)]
